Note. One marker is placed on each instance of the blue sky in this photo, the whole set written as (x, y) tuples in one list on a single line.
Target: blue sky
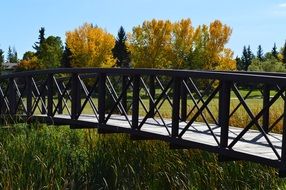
[(253, 22)]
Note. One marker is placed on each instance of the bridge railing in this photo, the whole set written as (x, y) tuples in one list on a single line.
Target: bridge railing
[(178, 102)]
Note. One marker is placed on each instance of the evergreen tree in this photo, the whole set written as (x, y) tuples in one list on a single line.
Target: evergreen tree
[(239, 65), (284, 53), (120, 51), (12, 55), (41, 38), (9, 55), (1, 57), (66, 60), (274, 51), (246, 58), (260, 53)]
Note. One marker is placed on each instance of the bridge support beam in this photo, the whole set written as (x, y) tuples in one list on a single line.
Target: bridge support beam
[(266, 97), (183, 103), (282, 169), (124, 96), (152, 95), (29, 95), (176, 107), (101, 101), (12, 97), (223, 117)]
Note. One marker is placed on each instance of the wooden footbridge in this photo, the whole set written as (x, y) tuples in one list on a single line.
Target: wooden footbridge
[(240, 116)]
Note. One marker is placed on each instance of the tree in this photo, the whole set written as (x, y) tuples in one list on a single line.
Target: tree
[(260, 53), (284, 53), (12, 55), (90, 46), (246, 58), (120, 51), (51, 52), (41, 39), (150, 44), (29, 61), (1, 58), (162, 44), (274, 51), (269, 65), (66, 59)]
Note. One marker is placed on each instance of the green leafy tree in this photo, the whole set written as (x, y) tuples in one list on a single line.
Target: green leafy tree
[(51, 52), (260, 53), (284, 53), (120, 51), (269, 65), (274, 51)]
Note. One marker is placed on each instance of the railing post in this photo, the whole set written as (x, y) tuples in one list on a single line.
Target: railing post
[(50, 95), (124, 97), (60, 99), (135, 102), (75, 95), (266, 97), (223, 118), (29, 95), (152, 94), (101, 99), (282, 169), (12, 96), (183, 103), (43, 97), (176, 107)]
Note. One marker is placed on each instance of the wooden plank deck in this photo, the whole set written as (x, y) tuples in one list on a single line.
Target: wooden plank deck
[(252, 143)]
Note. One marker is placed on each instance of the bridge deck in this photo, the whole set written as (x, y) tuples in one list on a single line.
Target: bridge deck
[(252, 143)]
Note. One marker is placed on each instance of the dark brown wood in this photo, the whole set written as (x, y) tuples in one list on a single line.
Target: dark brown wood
[(135, 102), (176, 107), (148, 126), (223, 117), (266, 97), (12, 97), (75, 95), (50, 95), (101, 98), (29, 95), (183, 103), (152, 95)]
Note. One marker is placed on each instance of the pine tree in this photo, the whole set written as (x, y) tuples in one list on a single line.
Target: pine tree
[(1, 58), (120, 51), (274, 51), (246, 58), (284, 53), (37, 45), (66, 60), (260, 53)]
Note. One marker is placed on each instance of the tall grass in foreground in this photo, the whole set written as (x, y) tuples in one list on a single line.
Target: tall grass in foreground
[(41, 157)]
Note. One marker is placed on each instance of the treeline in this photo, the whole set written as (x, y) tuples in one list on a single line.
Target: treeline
[(154, 44), (274, 61), (12, 56)]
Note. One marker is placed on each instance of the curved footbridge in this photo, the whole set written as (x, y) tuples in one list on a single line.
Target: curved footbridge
[(240, 116)]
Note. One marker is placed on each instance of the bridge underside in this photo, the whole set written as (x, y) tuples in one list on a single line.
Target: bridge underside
[(253, 146)]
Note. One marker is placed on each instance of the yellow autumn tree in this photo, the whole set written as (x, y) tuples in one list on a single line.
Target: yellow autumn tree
[(163, 44), (90, 46), (150, 44), (182, 42), (209, 51)]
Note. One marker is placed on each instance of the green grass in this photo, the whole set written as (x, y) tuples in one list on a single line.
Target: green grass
[(41, 157)]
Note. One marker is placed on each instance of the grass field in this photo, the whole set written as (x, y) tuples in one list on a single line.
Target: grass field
[(42, 157), (51, 157)]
